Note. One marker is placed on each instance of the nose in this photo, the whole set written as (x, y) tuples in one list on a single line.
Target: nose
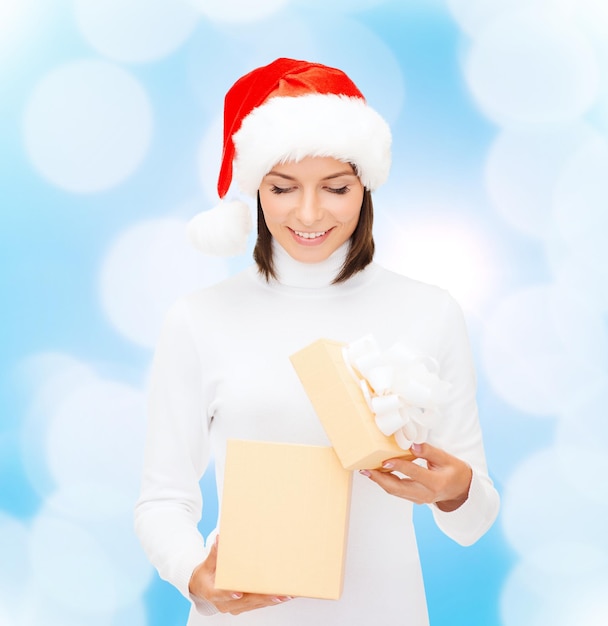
[(309, 208)]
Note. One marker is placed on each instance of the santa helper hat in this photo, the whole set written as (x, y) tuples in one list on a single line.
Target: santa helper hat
[(286, 111)]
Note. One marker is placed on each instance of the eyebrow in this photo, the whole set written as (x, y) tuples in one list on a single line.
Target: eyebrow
[(331, 176)]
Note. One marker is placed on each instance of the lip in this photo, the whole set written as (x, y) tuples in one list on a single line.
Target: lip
[(304, 241)]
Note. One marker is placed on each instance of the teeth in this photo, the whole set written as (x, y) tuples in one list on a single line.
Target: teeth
[(309, 235)]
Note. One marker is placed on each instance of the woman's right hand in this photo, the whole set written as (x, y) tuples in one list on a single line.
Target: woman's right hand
[(202, 585)]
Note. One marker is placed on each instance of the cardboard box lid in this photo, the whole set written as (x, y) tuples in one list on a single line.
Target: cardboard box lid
[(342, 408)]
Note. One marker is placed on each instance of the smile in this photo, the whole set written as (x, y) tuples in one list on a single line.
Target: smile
[(309, 235)]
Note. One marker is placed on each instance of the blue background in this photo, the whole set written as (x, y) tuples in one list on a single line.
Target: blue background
[(92, 254)]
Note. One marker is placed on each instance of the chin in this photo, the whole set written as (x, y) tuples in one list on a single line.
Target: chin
[(310, 255)]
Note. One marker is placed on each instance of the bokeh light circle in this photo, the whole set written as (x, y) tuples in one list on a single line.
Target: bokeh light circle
[(146, 269), (87, 125), (135, 30), (523, 169), (543, 349), (14, 563), (71, 566), (527, 70), (96, 435), (582, 433), (441, 250), (98, 563), (535, 597), (49, 378), (571, 272), (474, 16), (340, 6), (581, 203), (238, 11), (536, 491)]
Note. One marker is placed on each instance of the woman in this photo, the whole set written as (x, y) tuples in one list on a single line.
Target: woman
[(302, 138)]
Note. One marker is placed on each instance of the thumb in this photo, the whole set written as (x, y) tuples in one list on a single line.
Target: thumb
[(431, 454), (211, 559)]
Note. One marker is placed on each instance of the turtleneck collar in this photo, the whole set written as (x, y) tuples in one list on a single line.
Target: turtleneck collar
[(312, 279), (292, 273)]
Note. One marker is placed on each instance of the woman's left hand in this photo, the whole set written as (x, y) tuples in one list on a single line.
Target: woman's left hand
[(445, 480)]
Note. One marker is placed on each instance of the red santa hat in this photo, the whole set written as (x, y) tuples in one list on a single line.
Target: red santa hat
[(286, 111)]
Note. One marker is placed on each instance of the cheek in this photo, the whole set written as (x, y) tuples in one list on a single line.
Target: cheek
[(349, 211), (271, 208)]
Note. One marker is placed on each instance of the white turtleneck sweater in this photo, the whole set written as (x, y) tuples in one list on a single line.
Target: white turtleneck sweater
[(222, 370)]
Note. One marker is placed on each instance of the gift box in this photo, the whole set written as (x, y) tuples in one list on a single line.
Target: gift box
[(283, 520), (342, 408)]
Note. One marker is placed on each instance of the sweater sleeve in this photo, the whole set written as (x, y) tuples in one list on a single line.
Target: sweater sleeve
[(176, 455), (460, 433)]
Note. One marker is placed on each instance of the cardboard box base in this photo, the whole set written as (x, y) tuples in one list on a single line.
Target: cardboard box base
[(283, 520)]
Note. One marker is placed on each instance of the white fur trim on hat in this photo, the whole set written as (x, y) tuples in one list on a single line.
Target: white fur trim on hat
[(326, 125), (223, 230)]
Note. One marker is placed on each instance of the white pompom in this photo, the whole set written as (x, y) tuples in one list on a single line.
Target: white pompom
[(223, 230)]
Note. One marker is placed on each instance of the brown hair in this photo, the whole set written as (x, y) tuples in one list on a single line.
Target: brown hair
[(360, 252)]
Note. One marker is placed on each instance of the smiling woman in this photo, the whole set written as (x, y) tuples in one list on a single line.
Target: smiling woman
[(304, 141)]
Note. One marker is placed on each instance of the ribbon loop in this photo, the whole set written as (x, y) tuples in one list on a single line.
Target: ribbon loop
[(401, 387)]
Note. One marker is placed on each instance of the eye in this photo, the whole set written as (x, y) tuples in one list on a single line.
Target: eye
[(339, 190), (278, 190)]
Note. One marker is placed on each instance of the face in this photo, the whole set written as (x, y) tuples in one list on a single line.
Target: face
[(311, 207)]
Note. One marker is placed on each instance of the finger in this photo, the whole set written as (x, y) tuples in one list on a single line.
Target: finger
[(433, 455), (251, 601), (396, 486), (405, 467), (391, 483)]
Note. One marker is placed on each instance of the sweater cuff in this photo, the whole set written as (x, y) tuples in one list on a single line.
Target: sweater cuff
[(473, 517), (181, 581), (202, 606)]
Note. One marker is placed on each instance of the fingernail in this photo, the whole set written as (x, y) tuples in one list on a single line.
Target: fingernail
[(365, 473), (237, 596), (417, 448), (388, 465)]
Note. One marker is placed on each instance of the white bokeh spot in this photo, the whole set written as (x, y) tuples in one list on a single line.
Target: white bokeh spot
[(342, 6), (543, 350), (96, 436), (524, 168), (146, 269), (524, 70), (87, 126), (79, 560), (70, 565), (135, 30), (535, 491), (453, 254), (581, 203), (537, 597), (14, 563), (49, 378), (238, 11), (474, 16), (571, 272)]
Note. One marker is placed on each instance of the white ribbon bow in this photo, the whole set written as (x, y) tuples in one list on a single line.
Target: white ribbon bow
[(402, 388)]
